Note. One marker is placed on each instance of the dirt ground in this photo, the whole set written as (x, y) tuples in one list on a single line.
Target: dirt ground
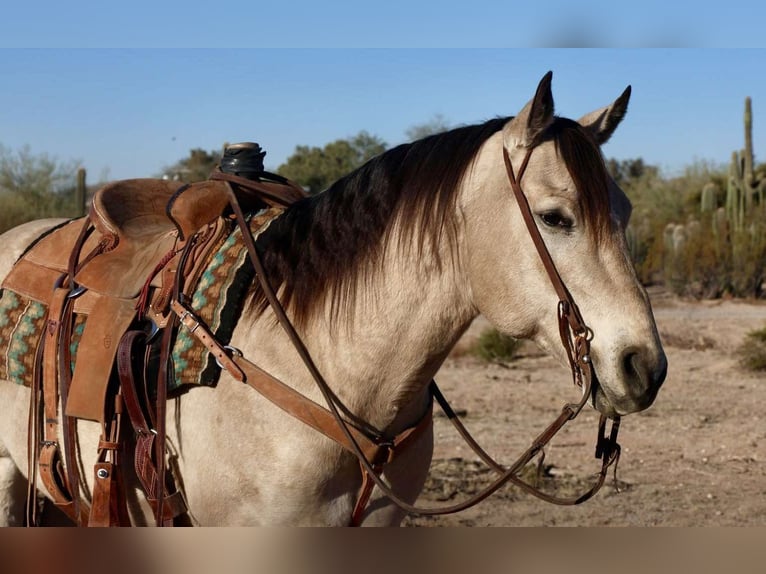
[(697, 457)]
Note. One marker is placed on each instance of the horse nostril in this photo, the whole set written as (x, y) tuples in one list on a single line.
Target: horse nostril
[(650, 375), (630, 365)]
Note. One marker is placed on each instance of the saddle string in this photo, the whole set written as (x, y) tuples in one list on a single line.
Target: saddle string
[(570, 411)]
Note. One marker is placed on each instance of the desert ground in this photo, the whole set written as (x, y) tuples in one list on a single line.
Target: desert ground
[(697, 457)]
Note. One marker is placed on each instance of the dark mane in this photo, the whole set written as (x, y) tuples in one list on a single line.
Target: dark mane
[(324, 243), (586, 167)]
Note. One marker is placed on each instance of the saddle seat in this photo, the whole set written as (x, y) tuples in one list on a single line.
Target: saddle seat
[(132, 208), (138, 222)]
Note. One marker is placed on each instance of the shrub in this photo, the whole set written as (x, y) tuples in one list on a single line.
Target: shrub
[(34, 187), (494, 347), (752, 351)]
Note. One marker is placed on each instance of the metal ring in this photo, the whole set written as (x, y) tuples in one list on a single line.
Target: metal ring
[(60, 280), (76, 292), (232, 350), (153, 330)]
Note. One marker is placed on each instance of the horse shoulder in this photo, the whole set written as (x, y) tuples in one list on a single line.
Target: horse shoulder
[(16, 240)]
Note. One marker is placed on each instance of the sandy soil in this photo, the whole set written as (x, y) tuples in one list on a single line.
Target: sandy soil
[(697, 457)]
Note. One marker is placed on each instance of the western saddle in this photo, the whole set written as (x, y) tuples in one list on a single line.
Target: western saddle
[(141, 248)]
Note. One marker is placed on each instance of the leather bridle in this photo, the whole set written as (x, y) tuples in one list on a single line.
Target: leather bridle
[(374, 451)]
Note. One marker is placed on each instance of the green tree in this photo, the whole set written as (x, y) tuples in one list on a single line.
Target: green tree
[(34, 186), (437, 124), (316, 168), (38, 179), (627, 171), (196, 167)]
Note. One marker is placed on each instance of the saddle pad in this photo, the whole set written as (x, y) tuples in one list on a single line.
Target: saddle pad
[(22, 321), (218, 300)]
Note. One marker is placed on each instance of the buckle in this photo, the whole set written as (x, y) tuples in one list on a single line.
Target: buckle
[(188, 314)]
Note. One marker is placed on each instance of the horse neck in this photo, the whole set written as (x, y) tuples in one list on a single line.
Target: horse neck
[(390, 340), (403, 324)]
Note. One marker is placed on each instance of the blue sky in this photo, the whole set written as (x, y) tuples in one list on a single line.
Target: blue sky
[(130, 112), (393, 23)]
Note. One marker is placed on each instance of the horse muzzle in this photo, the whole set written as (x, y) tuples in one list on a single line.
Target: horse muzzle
[(639, 378)]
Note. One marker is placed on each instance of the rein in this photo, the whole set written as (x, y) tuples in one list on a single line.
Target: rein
[(373, 452)]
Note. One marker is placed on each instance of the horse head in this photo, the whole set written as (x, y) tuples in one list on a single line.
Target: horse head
[(581, 214)]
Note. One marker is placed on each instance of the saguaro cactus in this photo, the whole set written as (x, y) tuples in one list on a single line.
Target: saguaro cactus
[(708, 198), (744, 190), (729, 254), (756, 185), (735, 192)]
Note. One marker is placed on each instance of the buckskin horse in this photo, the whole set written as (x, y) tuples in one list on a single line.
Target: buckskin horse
[(372, 282)]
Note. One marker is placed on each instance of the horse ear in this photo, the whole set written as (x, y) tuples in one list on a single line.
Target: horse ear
[(525, 129), (604, 121)]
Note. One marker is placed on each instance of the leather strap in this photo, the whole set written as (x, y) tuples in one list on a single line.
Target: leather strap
[(280, 394), (279, 193), (51, 468), (109, 507), (400, 444), (50, 364), (145, 455), (571, 311)]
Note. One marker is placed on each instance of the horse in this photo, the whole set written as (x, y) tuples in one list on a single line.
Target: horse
[(381, 274)]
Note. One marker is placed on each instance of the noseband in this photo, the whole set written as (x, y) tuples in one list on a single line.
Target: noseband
[(374, 451)]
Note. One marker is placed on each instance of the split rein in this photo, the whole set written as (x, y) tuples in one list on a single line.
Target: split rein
[(373, 452)]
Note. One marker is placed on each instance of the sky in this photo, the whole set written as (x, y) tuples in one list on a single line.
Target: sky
[(128, 94), (393, 23)]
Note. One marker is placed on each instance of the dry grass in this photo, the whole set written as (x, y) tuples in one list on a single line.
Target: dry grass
[(494, 347), (752, 351)]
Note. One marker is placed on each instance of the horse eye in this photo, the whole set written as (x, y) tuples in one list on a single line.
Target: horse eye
[(556, 219)]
